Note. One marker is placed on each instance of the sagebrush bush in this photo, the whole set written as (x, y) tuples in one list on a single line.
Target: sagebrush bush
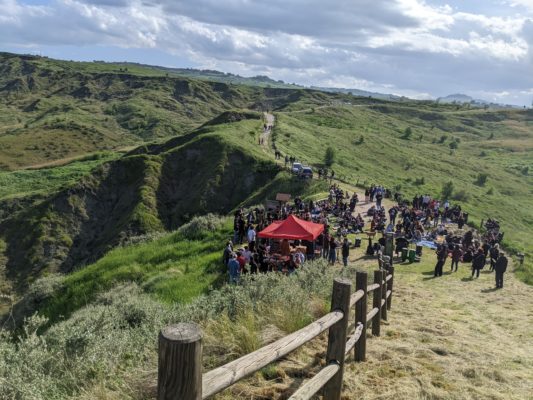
[(38, 292), (198, 227), (112, 341)]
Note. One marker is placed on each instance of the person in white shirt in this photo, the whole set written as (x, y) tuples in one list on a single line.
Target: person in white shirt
[(247, 254), (251, 235)]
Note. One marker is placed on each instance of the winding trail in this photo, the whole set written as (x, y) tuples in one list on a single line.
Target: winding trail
[(266, 134)]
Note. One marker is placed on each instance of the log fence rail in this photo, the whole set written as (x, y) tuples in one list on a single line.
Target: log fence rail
[(180, 346)]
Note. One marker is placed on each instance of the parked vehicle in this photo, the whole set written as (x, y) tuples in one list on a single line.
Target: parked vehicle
[(296, 168), (306, 173)]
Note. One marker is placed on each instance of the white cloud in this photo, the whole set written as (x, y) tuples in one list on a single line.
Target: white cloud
[(401, 46)]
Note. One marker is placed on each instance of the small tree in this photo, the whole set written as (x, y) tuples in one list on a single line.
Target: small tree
[(329, 157), (443, 138), (407, 133), (481, 179), (447, 190), (454, 145)]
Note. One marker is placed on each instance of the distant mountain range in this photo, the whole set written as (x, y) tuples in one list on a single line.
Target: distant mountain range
[(267, 82), (465, 99)]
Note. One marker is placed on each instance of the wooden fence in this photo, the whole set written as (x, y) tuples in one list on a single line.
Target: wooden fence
[(180, 346)]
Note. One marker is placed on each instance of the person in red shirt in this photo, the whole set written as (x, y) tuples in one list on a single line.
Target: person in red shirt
[(242, 262)]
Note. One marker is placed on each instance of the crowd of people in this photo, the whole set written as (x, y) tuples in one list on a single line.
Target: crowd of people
[(479, 251), (422, 219)]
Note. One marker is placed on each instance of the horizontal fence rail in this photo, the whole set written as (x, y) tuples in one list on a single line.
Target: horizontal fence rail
[(180, 346)]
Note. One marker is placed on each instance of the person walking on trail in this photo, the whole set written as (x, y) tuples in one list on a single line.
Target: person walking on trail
[(494, 254), (478, 263), (457, 253), (234, 269), (345, 251), (442, 255), (500, 267)]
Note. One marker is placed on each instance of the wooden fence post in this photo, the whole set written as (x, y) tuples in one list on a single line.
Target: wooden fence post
[(180, 363), (376, 321), (389, 245), (360, 315), (389, 287), (337, 336), (384, 295)]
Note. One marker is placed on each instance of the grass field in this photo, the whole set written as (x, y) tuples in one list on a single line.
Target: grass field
[(48, 180)]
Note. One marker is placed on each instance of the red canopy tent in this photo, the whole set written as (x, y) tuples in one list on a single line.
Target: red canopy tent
[(292, 228)]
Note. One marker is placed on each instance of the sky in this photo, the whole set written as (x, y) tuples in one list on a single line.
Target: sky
[(416, 48)]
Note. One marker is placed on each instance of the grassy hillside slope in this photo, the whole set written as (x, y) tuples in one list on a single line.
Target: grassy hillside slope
[(152, 189), (51, 109), (371, 146)]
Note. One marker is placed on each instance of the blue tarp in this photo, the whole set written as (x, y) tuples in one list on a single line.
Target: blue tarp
[(427, 243)]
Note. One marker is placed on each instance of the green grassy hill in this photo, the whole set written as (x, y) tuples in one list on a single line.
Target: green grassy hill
[(52, 110), (152, 189)]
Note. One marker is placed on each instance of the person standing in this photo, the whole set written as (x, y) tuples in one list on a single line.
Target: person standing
[(345, 251), (500, 267), (442, 255), (478, 263), (461, 221), (457, 253), (228, 250), (285, 248), (325, 246), (251, 234), (332, 251), (379, 198), (494, 255), (234, 269)]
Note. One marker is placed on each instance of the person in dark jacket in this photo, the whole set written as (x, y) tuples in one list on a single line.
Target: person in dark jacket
[(332, 250), (345, 251), (478, 263), (457, 253), (442, 255), (228, 250), (500, 267)]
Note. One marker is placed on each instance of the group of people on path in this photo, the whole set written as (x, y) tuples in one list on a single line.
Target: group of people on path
[(467, 249), (246, 253), (425, 218)]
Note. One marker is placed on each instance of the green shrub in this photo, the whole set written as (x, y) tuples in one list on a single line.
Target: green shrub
[(460, 195), (198, 227), (481, 179), (447, 190), (420, 181), (329, 156), (407, 133)]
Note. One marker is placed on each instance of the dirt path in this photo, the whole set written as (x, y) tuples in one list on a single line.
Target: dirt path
[(264, 137)]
